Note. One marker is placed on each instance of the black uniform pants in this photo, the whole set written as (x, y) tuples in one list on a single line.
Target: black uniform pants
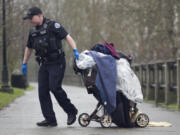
[(50, 78)]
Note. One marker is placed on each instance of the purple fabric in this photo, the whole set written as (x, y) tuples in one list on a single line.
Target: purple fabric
[(112, 50)]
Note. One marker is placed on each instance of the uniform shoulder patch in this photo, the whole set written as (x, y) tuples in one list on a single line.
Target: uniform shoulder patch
[(57, 25)]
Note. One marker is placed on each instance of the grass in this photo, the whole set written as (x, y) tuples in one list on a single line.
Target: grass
[(6, 98), (172, 107), (30, 88)]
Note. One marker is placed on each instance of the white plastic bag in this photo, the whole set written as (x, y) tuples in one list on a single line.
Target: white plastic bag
[(85, 61), (127, 81)]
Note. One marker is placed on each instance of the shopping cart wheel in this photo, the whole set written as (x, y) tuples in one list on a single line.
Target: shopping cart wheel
[(84, 119), (106, 121), (142, 120)]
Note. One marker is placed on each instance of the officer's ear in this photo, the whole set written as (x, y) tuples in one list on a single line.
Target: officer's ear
[(40, 15)]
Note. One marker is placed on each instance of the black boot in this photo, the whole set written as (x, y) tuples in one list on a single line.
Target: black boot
[(46, 123), (71, 119)]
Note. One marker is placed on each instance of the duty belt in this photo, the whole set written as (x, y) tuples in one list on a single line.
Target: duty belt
[(50, 58)]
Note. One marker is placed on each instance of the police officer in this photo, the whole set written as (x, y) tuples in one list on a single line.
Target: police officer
[(45, 38)]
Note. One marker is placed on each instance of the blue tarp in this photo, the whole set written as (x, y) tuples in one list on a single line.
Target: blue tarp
[(106, 79)]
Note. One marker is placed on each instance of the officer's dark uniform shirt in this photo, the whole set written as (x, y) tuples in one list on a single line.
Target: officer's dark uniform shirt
[(55, 28)]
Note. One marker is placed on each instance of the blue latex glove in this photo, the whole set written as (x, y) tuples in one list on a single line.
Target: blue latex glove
[(76, 54), (24, 69)]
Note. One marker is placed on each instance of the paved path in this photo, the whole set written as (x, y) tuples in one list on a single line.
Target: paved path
[(20, 117)]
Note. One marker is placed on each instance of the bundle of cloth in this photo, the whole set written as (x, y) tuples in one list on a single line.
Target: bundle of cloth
[(114, 74)]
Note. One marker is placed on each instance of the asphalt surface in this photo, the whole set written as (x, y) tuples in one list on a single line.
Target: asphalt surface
[(20, 117)]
